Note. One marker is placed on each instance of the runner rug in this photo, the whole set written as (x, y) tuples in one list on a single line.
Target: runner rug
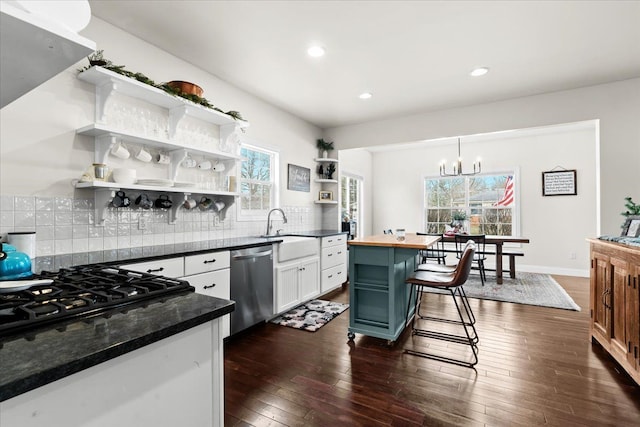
[(527, 288), (312, 315)]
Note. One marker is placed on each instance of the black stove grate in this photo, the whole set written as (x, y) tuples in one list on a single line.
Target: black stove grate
[(78, 292)]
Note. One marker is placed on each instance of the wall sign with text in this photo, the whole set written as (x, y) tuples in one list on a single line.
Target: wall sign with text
[(559, 183), (299, 178)]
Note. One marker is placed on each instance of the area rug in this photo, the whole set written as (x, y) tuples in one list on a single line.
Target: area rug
[(312, 315), (527, 288)]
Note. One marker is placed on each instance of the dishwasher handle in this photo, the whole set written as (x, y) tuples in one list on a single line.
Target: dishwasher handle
[(252, 256)]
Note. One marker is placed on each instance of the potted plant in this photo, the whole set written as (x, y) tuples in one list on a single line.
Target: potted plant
[(459, 221), (324, 147), (330, 170), (632, 208), (97, 58)]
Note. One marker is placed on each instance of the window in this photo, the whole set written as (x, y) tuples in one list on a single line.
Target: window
[(351, 199), (487, 200), (258, 175)]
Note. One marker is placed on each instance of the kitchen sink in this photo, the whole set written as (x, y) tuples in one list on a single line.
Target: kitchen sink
[(293, 247)]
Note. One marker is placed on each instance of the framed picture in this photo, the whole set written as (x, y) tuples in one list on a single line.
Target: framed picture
[(299, 178), (559, 183), (326, 196), (631, 227)]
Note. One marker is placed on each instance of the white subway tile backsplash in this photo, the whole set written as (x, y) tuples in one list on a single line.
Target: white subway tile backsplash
[(7, 203), (63, 232), (62, 204), (63, 246), (24, 203), (44, 204), (24, 219), (44, 218), (64, 226)]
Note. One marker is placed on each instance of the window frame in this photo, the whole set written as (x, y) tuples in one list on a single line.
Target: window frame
[(360, 188), (515, 224), (259, 215)]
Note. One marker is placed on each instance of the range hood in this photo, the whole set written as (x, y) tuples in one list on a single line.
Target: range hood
[(33, 49)]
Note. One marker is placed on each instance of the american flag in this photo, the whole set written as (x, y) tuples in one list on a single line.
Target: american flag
[(507, 197)]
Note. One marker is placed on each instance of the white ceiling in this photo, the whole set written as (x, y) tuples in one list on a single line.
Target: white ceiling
[(413, 56)]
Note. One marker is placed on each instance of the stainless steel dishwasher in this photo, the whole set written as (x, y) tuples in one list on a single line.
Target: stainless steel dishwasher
[(251, 286)]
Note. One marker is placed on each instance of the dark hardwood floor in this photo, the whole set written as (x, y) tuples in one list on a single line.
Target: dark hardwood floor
[(537, 367)]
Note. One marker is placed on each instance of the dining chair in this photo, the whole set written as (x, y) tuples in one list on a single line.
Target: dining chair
[(443, 268), (434, 252), (479, 257), (453, 284)]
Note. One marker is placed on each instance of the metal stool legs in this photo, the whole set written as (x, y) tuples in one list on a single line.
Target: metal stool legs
[(470, 337)]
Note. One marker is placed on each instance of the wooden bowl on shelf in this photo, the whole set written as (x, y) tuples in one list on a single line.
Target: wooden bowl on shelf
[(186, 87)]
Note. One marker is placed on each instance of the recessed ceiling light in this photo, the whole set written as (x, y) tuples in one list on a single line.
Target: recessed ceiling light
[(365, 95), (477, 72), (315, 51)]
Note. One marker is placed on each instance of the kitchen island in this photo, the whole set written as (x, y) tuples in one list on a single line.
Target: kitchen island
[(155, 363), (378, 295)]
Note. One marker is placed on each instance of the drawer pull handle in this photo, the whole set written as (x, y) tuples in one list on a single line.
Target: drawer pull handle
[(155, 270), (330, 241), (339, 252), (339, 272), (330, 276), (213, 285), (330, 255), (209, 261)]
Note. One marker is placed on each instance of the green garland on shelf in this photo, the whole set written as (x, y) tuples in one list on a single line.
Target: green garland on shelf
[(97, 59)]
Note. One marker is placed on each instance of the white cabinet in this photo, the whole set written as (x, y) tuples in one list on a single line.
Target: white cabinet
[(176, 381), (333, 262), (296, 282), (170, 267), (210, 275), (223, 148)]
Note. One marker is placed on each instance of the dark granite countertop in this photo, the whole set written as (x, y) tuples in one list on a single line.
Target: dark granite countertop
[(148, 253), (32, 359)]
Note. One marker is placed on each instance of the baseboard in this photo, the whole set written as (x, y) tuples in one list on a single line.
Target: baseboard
[(551, 270)]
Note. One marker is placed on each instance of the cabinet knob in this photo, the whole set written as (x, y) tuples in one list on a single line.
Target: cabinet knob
[(155, 270), (213, 285)]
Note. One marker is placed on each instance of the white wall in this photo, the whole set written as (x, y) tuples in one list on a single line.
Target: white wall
[(615, 105), (41, 154), (398, 177)]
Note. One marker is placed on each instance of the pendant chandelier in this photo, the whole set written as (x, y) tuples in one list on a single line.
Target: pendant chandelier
[(457, 166)]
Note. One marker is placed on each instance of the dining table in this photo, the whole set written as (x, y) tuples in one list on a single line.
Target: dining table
[(498, 242)]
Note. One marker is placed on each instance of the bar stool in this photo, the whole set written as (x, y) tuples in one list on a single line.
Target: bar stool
[(452, 283)]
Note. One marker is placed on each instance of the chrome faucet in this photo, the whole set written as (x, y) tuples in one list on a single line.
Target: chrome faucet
[(284, 217)]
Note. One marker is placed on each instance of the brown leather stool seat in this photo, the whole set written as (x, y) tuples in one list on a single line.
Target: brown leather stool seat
[(448, 283)]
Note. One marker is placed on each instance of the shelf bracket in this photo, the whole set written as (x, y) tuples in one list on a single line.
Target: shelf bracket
[(103, 93), (102, 199), (229, 136), (175, 115), (177, 157), (104, 143), (176, 202)]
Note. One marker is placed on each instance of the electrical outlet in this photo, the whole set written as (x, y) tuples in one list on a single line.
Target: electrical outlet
[(142, 223), (216, 221)]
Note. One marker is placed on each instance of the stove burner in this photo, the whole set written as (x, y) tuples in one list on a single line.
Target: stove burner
[(44, 309), (81, 292)]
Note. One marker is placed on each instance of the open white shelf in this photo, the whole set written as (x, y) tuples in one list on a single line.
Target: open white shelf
[(326, 181), (105, 191), (107, 82), (326, 202), (326, 160)]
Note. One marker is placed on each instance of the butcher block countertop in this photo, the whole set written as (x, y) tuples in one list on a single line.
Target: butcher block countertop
[(411, 241)]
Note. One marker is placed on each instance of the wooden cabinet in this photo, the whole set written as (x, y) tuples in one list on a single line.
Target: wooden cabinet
[(614, 309), (297, 282)]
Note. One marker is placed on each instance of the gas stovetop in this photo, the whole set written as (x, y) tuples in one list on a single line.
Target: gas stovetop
[(80, 292)]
